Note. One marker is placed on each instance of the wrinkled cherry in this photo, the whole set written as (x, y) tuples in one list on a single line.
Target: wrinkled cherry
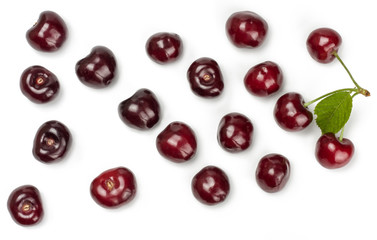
[(235, 132), (49, 33), (321, 44), (52, 142), (177, 142), (205, 77), (141, 110), (272, 172), (210, 185), (113, 187), (263, 79), (332, 153), (25, 205), (39, 84), (291, 114), (164, 47), (246, 29), (98, 69)]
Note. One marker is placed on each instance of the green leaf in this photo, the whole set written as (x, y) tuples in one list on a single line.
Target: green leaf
[(333, 112)]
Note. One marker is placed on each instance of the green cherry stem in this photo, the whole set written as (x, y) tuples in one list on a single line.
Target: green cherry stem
[(355, 94), (360, 89), (341, 135), (355, 90)]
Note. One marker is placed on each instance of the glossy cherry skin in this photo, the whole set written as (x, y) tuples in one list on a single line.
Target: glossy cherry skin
[(114, 187), (49, 33), (98, 69), (25, 205), (210, 185), (51, 142), (332, 153), (177, 142), (246, 29), (321, 44), (272, 172), (39, 84), (205, 78), (164, 47), (141, 110), (235, 132), (263, 79), (291, 114)]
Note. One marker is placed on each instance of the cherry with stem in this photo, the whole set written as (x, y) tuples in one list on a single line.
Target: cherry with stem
[(333, 111)]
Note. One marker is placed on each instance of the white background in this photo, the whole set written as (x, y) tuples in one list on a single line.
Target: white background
[(315, 204)]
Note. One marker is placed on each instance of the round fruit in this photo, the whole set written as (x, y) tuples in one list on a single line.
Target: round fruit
[(114, 187), (141, 110), (49, 33), (205, 78), (52, 142), (38, 84), (177, 142), (210, 185), (272, 172), (235, 132), (264, 79), (98, 69), (321, 44), (25, 205), (291, 114), (332, 153), (246, 29), (164, 47)]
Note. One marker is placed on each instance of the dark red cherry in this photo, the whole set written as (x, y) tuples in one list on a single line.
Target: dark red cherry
[(210, 185), (98, 69), (49, 33), (38, 84), (321, 44), (291, 114), (332, 153), (25, 205), (164, 47), (205, 78), (272, 172), (113, 187), (177, 142), (246, 29), (264, 79), (235, 132), (52, 142), (141, 110)]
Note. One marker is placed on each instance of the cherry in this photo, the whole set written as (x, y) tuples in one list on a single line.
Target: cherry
[(246, 29), (141, 110), (49, 33), (263, 79), (332, 153), (235, 132), (39, 84), (210, 185), (177, 142), (98, 68), (291, 114), (113, 187), (272, 172), (52, 142), (164, 47), (205, 77), (25, 205), (322, 43)]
